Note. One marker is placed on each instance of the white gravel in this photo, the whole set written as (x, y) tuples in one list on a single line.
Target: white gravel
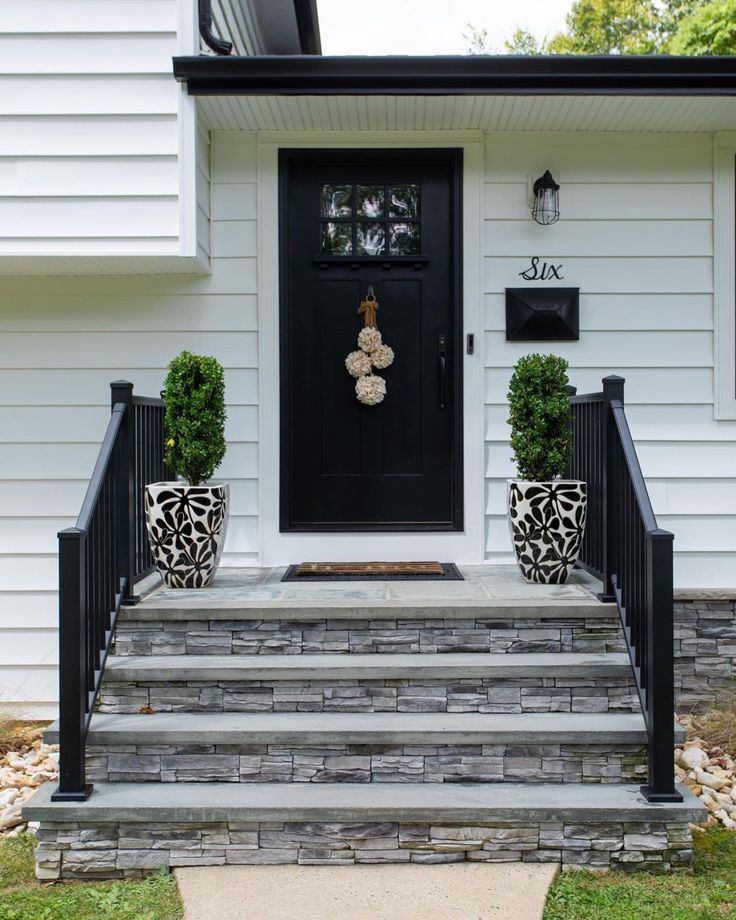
[(22, 771), (711, 774)]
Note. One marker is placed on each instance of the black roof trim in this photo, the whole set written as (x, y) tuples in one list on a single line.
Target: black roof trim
[(307, 23), (501, 75)]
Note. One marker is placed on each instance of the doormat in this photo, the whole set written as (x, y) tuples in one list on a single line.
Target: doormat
[(379, 571)]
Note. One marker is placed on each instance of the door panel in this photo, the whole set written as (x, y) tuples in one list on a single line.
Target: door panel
[(350, 221)]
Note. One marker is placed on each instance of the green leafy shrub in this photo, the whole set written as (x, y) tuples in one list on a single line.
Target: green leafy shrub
[(539, 415), (195, 416)]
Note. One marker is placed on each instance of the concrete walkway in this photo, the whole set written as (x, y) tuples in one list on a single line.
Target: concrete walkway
[(466, 891)]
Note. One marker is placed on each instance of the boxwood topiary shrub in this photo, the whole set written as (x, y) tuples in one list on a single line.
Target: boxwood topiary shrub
[(194, 393), (539, 415)]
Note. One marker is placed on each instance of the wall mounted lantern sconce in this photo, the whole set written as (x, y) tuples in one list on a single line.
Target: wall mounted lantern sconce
[(546, 200)]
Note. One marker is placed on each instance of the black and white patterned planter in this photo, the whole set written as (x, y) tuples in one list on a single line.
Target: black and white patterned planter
[(186, 530), (547, 522)]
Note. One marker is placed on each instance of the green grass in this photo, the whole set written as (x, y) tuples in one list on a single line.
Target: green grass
[(23, 898), (708, 892)]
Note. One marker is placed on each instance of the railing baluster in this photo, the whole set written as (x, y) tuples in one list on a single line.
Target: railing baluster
[(140, 478), (93, 603), (122, 392)]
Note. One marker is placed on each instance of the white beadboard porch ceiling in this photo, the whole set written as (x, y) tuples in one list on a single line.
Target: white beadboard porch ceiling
[(457, 113)]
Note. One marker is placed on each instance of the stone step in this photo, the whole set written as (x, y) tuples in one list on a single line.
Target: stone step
[(306, 728), (368, 763), (451, 666), (199, 605), (129, 829), (451, 682), (392, 628), (380, 748)]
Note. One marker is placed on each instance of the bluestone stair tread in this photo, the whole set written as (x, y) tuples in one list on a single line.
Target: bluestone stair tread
[(306, 728), (455, 665), (346, 802), (346, 608)]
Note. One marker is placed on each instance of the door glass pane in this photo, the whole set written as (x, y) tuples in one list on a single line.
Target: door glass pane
[(371, 239), (337, 239), (337, 200), (370, 200), (404, 201), (403, 239)]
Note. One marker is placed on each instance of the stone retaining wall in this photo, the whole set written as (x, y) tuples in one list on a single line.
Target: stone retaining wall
[(278, 637), (363, 763), (705, 650), (117, 851), (489, 695)]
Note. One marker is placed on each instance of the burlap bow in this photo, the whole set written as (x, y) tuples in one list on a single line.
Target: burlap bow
[(368, 308)]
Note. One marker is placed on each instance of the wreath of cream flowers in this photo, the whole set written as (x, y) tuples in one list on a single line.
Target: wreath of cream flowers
[(370, 389)]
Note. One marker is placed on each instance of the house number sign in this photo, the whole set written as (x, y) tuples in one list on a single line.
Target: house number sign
[(542, 271)]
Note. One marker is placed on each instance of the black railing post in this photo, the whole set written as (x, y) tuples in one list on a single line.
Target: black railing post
[(613, 388), (121, 391), (660, 694), (72, 668)]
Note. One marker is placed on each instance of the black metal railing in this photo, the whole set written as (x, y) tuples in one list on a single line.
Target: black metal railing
[(587, 464), (100, 561), (148, 420), (624, 547)]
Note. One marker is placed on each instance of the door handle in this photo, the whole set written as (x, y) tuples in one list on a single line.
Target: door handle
[(442, 357)]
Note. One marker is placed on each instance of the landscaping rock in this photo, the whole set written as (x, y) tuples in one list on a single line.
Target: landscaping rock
[(693, 758), (26, 764), (710, 773)]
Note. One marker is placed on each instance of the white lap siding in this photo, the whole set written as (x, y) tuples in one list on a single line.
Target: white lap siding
[(636, 236), (62, 340), (89, 140)]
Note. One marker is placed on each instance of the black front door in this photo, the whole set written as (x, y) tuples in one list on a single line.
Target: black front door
[(352, 222)]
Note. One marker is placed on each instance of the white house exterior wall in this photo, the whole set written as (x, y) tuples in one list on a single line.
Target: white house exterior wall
[(636, 237)]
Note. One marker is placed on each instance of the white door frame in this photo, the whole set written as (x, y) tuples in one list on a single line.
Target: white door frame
[(467, 546)]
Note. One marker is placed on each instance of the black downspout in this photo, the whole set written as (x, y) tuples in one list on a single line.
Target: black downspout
[(307, 25), (218, 45)]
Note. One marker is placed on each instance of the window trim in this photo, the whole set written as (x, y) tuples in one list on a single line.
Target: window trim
[(724, 290)]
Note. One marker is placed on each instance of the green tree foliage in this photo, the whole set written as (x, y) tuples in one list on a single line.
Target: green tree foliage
[(539, 416), (690, 27), (477, 40), (671, 14), (608, 27), (194, 393), (523, 42), (708, 29)]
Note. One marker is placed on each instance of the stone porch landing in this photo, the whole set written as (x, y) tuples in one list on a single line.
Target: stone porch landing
[(262, 587)]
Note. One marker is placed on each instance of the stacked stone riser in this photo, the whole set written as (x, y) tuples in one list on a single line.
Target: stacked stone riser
[(705, 652), (368, 763), (432, 635), (130, 850), (489, 695)]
